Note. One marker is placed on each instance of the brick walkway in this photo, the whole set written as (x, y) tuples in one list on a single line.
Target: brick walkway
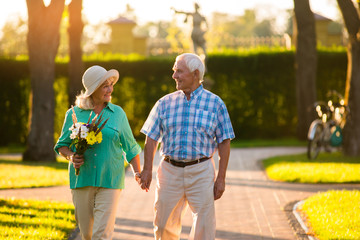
[(251, 208)]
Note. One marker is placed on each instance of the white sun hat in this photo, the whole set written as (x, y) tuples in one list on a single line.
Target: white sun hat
[(95, 76)]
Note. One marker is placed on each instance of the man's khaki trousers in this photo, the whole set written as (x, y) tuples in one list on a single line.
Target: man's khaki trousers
[(177, 188)]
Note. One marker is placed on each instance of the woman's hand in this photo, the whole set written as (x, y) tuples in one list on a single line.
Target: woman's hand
[(137, 177), (77, 160)]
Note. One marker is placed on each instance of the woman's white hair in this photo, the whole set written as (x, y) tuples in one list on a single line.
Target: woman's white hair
[(193, 62), (84, 102)]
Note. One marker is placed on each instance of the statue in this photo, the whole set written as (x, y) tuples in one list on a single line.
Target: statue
[(197, 34)]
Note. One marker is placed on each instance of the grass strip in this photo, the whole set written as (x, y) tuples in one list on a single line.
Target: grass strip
[(18, 174), (333, 214), (327, 168), (30, 219)]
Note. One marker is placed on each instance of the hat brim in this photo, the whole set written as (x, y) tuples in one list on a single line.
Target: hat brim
[(109, 74)]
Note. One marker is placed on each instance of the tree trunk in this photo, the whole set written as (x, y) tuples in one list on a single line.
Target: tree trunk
[(76, 66), (305, 65), (352, 91), (43, 42)]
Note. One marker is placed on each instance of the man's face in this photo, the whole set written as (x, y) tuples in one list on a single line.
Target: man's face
[(185, 80)]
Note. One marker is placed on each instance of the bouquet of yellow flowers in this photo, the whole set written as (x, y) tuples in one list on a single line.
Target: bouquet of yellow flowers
[(84, 135)]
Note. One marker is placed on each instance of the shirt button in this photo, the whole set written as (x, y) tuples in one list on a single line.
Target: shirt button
[(95, 154), (94, 166)]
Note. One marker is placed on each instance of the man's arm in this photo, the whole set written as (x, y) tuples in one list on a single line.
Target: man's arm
[(224, 153), (149, 153)]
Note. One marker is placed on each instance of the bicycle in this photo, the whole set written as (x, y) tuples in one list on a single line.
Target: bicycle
[(326, 131)]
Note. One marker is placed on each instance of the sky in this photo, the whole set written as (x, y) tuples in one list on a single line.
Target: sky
[(155, 10)]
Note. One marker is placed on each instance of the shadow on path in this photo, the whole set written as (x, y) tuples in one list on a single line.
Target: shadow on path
[(128, 226)]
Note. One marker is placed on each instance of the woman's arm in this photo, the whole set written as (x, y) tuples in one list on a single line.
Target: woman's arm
[(76, 159), (135, 165)]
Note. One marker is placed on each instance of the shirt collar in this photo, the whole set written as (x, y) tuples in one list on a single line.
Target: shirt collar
[(109, 106), (195, 93)]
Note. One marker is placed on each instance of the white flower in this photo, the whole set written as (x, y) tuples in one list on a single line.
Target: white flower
[(84, 129), (83, 134), (73, 135), (75, 131)]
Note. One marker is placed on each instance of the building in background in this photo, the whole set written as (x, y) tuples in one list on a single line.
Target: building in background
[(328, 32), (122, 38)]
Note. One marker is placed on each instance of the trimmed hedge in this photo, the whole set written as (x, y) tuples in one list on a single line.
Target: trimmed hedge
[(258, 89)]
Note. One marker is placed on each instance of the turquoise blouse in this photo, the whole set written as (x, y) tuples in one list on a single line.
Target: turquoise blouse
[(104, 162)]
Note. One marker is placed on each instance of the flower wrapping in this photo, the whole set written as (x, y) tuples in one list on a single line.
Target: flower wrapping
[(85, 135)]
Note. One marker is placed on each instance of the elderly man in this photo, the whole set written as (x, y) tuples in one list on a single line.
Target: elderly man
[(191, 124)]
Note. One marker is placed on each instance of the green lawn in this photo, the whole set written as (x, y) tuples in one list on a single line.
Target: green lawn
[(329, 215), (18, 174), (333, 215), (30, 219), (327, 168)]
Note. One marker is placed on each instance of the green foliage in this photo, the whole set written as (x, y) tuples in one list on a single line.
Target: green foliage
[(333, 75), (327, 168), (258, 90), (14, 101), (30, 219), (61, 104), (333, 214), (257, 86)]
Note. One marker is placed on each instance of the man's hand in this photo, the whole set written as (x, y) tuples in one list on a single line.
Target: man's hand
[(224, 153), (219, 188), (146, 177)]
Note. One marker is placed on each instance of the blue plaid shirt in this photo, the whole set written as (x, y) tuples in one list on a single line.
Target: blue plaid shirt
[(189, 129)]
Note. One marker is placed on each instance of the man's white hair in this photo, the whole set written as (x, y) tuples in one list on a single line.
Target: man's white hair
[(193, 62)]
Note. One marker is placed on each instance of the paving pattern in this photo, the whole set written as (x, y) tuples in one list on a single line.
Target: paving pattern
[(252, 207)]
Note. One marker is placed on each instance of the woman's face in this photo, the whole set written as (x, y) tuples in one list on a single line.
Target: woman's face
[(103, 93)]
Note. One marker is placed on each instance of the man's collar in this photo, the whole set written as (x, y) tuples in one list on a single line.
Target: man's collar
[(195, 93)]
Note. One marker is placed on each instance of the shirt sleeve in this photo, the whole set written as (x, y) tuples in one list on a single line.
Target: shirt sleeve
[(152, 125), (64, 139), (224, 128), (127, 140)]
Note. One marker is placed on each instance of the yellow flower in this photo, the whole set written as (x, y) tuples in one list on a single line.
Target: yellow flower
[(91, 138), (99, 137)]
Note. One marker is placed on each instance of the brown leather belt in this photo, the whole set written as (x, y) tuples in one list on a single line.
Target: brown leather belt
[(184, 164)]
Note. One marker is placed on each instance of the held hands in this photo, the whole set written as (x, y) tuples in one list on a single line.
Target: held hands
[(146, 177), (143, 179)]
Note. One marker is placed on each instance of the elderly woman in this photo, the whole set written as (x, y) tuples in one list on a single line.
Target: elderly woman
[(96, 190)]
